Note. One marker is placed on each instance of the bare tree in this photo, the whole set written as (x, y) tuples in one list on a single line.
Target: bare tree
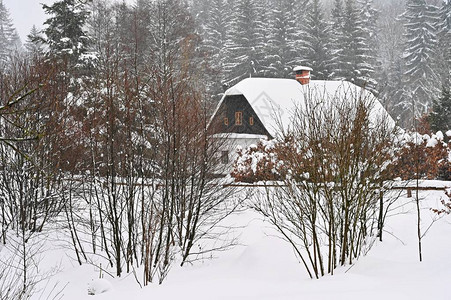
[(29, 181)]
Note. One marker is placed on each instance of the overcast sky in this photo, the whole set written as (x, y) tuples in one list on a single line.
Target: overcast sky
[(26, 13)]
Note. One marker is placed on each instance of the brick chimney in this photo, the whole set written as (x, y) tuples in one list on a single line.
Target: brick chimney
[(303, 74)]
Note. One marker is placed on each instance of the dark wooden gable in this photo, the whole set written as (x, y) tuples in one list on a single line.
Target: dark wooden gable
[(225, 120)]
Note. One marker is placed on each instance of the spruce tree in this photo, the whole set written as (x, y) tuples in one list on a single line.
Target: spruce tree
[(337, 40), (282, 48), (352, 37), (199, 9), (316, 42), (393, 96), (443, 57), (65, 34), (369, 48), (420, 48), (34, 45), (245, 43), (262, 8), (9, 39), (215, 31), (440, 117), (390, 41), (353, 58)]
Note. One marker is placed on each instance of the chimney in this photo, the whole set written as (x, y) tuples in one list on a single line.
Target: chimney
[(303, 74)]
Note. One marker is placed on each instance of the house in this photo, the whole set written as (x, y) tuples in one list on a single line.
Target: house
[(260, 108)]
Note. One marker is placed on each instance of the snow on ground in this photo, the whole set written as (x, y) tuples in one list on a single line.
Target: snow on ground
[(266, 267)]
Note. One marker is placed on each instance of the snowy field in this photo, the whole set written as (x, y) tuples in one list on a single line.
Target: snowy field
[(265, 267)]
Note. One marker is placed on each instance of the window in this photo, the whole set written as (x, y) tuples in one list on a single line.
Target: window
[(251, 121), (226, 121), (225, 157), (239, 118)]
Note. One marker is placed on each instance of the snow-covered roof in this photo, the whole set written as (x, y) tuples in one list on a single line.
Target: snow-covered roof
[(275, 99), (238, 136), (302, 68)]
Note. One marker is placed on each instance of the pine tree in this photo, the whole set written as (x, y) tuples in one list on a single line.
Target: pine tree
[(282, 48), (369, 63), (316, 42), (353, 59), (337, 40), (392, 95), (262, 31), (440, 117), (352, 37), (443, 57), (215, 32), (245, 42), (9, 39), (34, 42), (420, 48), (199, 9), (390, 41), (65, 35)]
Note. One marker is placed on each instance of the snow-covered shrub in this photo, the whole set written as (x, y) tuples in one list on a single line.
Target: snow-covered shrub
[(263, 161), (329, 171), (423, 156)]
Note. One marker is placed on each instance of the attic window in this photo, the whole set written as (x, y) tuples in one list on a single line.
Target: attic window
[(226, 121), (251, 121), (238, 118)]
